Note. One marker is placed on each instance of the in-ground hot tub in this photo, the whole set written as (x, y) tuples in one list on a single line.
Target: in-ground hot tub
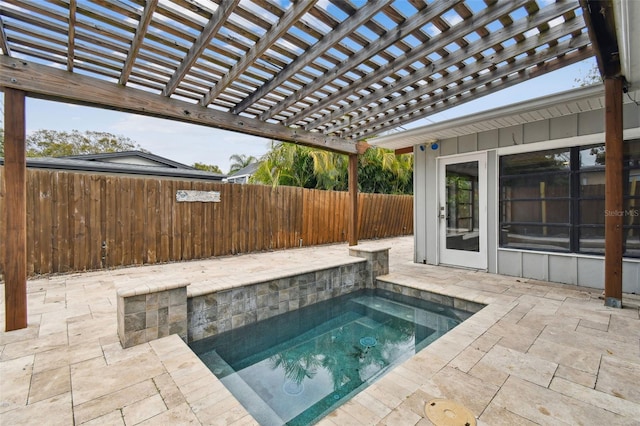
[(296, 367)]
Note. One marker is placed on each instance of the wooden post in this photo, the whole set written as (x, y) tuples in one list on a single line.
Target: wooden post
[(15, 173), (353, 199), (614, 205)]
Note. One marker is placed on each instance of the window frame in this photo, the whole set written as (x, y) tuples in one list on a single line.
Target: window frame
[(575, 198)]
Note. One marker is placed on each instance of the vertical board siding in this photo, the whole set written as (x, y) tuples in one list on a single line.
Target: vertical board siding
[(82, 221)]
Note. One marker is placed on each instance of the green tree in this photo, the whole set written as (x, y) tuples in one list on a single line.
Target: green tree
[(54, 143), (207, 168), (331, 170), (240, 161), (591, 77), (285, 164), (379, 170)]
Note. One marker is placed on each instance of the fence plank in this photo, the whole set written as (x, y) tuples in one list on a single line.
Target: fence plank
[(71, 214)]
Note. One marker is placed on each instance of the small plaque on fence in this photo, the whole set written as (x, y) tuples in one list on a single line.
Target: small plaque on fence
[(198, 196)]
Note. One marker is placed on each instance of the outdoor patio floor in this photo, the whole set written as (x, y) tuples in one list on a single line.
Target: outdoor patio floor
[(539, 353)]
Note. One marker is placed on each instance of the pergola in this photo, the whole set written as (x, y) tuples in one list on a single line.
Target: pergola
[(326, 73)]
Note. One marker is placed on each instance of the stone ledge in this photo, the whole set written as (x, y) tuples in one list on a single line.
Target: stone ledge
[(206, 287), (147, 288), (148, 315)]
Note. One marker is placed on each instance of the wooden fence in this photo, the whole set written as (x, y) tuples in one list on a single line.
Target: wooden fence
[(80, 221)]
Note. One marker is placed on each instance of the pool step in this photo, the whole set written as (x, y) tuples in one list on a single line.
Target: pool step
[(433, 320), (242, 391)]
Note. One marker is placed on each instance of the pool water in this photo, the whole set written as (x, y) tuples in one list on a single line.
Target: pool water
[(297, 367)]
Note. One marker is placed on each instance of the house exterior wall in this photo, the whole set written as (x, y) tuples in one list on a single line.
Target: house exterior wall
[(570, 130), (138, 161)]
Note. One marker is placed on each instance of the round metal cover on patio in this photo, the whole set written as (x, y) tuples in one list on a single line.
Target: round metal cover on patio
[(444, 412)]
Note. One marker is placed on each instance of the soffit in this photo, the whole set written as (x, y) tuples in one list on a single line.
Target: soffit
[(558, 105)]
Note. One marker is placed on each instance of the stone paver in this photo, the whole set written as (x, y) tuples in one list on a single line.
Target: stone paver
[(539, 353)]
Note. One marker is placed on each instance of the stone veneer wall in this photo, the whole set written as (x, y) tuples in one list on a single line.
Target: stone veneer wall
[(225, 310), (148, 313), (465, 305), (377, 262), (228, 309), (154, 310)]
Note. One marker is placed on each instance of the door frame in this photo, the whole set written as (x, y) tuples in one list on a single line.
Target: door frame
[(461, 258)]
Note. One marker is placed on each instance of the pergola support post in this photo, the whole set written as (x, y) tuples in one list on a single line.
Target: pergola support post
[(353, 199), (614, 187), (15, 174)]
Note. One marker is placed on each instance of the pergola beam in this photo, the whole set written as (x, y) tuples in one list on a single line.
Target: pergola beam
[(483, 18), (342, 30), (290, 17), (15, 214), (599, 19), (426, 73), (4, 43), (138, 39), (373, 49), (49, 83), (71, 36), (508, 75), (204, 38)]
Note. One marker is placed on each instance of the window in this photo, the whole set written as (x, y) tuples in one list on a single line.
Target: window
[(554, 200)]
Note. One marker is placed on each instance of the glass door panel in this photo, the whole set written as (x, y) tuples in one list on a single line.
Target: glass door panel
[(463, 220), (463, 208)]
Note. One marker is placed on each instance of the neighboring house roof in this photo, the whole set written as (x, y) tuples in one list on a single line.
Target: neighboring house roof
[(131, 157), (573, 101), (117, 168), (247, 170), (243, 175)]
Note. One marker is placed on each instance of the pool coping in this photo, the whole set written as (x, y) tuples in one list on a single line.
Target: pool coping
[(440, 352)]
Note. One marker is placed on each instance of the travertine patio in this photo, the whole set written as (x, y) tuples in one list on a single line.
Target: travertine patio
[(539, 353)]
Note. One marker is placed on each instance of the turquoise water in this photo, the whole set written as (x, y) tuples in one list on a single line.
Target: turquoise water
[(297, 367)]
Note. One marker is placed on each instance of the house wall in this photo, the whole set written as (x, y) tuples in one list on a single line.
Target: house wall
[(571, 130), (138, 161)]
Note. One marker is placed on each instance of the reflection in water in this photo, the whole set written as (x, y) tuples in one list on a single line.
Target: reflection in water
[(348, 364), (296, 368)]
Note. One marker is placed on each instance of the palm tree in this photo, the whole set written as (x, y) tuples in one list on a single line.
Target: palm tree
[(330, 170), (240, 161)]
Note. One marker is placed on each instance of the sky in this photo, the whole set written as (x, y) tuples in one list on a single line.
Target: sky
[(189, 143)]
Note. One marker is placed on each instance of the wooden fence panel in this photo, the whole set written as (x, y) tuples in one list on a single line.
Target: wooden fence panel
[(82, 221)]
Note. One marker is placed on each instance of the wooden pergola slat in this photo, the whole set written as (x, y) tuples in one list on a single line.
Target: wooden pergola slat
[(3, 40), (449, 61), (435, 43), (71, 37), (141, 31), (288, 19), (225, 9), (54, 84), (345, 28), (375, 48)]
